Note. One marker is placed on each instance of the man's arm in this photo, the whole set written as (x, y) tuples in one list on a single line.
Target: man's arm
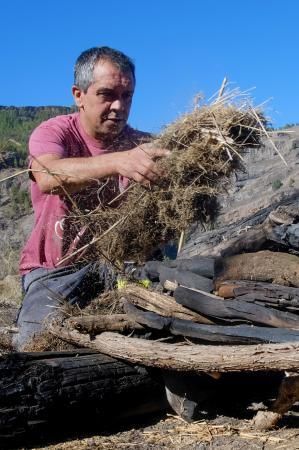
[(55, 175)]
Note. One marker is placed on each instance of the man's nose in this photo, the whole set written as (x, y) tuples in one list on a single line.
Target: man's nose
[(117, 105)]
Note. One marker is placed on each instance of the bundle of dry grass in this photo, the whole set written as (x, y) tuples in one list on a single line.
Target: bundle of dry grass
[(206, 146)]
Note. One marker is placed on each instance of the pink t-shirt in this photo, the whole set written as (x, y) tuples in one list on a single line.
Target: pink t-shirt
[(55, 234)]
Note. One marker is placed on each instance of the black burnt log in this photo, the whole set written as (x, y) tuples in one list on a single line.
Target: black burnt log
[(217, 334), (38, 389), (234, 309)]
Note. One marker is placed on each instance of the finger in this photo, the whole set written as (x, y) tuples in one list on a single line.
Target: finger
[(153, 151), (156, 152), (153, 168), (146, 177), (143, 181)]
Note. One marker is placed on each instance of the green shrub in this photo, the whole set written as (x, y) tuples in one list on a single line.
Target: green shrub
[(276, 184), (20, 201)]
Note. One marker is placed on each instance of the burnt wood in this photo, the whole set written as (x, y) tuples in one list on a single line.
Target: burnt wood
[(201, 265), (250, 233), (162, 304), (186, 278), (277, 303), (287, 235), (237, 288), (234, 309), (240, 334), (45, 387), (270, 295)]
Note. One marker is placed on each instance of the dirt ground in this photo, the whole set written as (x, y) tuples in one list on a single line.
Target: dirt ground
[(170, 432), (224, 423)]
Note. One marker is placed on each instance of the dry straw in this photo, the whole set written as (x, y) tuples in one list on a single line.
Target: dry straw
[(206, 145)]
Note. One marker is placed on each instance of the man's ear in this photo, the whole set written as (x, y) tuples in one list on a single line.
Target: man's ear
[(77, 94)]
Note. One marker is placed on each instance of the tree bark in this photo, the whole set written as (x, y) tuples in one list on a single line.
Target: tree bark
[(95, 324), (185, 357), (274, 267)]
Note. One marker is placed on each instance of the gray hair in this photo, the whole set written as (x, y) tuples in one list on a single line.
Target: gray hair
[(85, 64)]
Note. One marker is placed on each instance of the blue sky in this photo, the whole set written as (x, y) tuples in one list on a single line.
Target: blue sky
[(180, 48)]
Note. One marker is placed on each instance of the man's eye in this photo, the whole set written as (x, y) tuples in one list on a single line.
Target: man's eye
[(105, 95), (128, 96)]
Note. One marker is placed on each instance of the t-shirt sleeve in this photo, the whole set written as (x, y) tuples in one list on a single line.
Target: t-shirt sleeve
[(46, 140)]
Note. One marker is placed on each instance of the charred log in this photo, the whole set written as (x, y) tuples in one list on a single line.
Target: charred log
[(240, 334), (234, 309), (37, 388)]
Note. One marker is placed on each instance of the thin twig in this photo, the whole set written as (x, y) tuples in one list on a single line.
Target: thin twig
[(122, 193), (15, 175), (181, 241), (225, 141), (267, 134), (221, 90)]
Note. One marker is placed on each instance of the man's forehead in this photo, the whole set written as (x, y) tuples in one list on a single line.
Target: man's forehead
[(109, 74)]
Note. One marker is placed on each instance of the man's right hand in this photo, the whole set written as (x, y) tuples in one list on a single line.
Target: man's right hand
[(56, 175), (139, 164)]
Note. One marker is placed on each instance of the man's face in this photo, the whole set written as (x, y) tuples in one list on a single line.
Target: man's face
[(105, 107)]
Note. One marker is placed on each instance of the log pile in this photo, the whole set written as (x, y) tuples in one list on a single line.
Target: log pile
[(229, 312), (236, 310)]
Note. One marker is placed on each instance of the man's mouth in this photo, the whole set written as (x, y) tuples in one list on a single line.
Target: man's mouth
[(115, 119)]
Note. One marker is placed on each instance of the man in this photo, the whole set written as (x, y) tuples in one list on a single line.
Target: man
[(79, 161)]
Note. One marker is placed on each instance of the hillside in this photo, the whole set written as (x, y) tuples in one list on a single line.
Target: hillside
[(16, 125)]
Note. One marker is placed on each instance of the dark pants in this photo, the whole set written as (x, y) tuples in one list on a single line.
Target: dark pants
[(47, 290)]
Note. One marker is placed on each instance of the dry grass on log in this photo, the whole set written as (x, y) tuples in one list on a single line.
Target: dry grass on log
[(45, 342), (206, 146), (106, 303)]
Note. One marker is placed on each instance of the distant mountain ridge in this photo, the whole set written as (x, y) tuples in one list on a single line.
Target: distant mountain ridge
[(36, 107), (16, 125)]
